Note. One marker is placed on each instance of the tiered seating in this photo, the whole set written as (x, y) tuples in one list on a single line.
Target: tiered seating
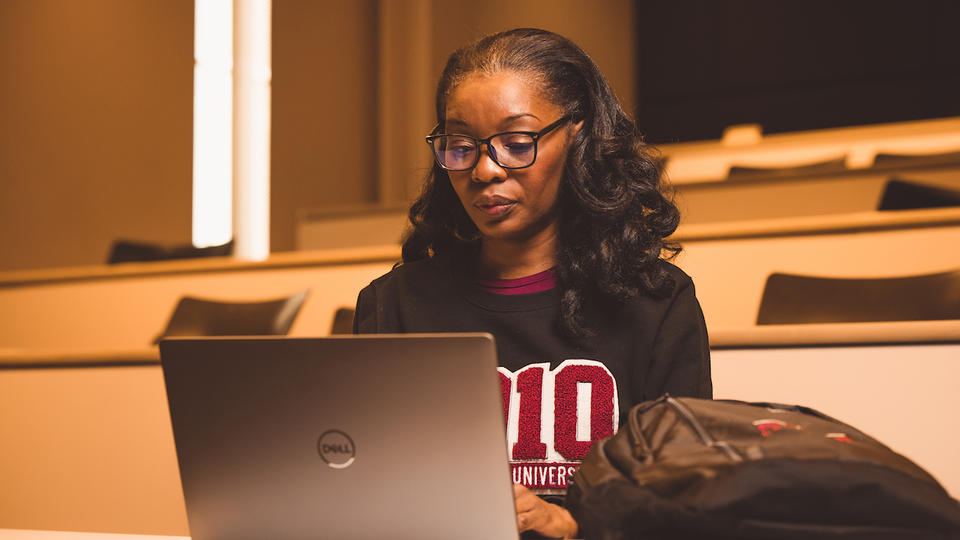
[(92, 449), (875, 218), (124, 307)]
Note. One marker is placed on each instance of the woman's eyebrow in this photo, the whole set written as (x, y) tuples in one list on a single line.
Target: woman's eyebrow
[(521, 115)]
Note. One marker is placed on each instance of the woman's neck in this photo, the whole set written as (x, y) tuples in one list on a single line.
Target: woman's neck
[(505, 259)]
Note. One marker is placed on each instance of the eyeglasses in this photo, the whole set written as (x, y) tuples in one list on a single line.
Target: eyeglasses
[(510, 149)]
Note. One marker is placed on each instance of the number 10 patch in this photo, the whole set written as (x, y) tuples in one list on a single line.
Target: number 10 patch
[(555, 415)]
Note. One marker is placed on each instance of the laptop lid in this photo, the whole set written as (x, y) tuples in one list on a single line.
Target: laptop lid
[(344, 437)]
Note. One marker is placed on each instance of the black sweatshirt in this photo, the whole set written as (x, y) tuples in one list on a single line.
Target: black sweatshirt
[(559, 394)]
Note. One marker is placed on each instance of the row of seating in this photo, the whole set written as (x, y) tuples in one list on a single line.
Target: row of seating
[(787, 299), (839, 164)]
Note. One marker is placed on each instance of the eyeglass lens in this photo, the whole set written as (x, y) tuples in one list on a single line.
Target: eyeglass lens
[(459, 152)]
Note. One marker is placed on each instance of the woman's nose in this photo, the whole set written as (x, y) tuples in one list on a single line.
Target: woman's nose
[(486, 170)]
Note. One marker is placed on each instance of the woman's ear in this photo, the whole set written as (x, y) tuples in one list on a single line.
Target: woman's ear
[(576, 128)]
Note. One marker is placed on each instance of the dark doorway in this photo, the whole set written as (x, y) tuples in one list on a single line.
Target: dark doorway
[(790, 66)]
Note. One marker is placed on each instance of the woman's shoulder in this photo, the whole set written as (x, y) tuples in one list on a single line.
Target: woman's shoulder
[(675, 287), (411, 274), (408, 286), (675, 301), (681, 280)]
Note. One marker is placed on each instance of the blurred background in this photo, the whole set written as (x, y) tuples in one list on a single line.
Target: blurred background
[(97, 96), (813, 148), (97, 108)]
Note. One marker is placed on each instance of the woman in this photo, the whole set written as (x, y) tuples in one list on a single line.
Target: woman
[(543, 223)]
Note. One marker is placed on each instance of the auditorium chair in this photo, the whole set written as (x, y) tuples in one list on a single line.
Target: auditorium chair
[(900, 194), (342, 321), (795, 299), (135, 251), (835, 165), (203, 317)]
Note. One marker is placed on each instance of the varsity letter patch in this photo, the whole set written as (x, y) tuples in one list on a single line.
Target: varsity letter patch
[(553, 416)]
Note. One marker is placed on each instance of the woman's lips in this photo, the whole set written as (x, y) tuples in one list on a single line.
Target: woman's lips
[(494, 205)]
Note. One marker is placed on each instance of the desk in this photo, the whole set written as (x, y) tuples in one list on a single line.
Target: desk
[(24, 534)]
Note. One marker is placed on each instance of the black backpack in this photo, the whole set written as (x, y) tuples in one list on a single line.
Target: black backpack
[(694, 468)]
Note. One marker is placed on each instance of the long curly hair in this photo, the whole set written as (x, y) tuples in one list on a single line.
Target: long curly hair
[(613, 209)]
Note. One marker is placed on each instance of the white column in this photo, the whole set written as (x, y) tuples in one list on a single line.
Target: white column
[(212, 123), (251, 135)]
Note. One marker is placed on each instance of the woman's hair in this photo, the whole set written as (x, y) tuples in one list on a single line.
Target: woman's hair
[(612, 213)]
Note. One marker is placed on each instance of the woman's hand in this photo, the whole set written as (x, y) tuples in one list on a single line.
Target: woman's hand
[(536, 514)]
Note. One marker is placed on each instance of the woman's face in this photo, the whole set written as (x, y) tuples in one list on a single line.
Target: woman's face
[(508, 204)]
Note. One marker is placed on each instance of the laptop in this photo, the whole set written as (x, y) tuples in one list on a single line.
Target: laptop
[(348, 437)]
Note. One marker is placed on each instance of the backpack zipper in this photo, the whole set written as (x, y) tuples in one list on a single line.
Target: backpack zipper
[(704, 435)]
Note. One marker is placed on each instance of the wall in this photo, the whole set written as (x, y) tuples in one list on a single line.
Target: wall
[(324, 109), (96, 143)]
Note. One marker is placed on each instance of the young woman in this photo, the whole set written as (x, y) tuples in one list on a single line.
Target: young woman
[(543, 222)]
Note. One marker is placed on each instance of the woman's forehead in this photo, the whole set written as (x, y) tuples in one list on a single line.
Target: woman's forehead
[(499, 96)]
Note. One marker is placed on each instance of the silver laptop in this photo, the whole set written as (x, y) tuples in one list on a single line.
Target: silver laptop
[(345, 437)]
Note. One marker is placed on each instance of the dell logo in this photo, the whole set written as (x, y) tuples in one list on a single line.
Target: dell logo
[(337, 449)]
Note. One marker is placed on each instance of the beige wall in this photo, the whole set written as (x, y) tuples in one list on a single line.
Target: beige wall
[(324, 109), (95, 104)]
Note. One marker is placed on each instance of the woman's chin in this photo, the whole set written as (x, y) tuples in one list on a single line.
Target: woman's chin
[(509, 232)]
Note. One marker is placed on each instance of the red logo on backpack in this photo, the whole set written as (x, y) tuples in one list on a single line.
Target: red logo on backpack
[(770, 425)]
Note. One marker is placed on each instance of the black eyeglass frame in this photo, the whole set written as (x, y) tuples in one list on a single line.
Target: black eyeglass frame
[(535, 135)]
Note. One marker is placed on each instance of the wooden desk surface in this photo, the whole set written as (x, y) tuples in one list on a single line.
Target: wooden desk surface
[(296, 259), (781, 335), (24, 534)]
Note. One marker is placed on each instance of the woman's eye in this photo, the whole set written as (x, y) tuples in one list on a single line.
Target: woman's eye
[(459, 142), (461, 149), (517, 144), (519, 147)]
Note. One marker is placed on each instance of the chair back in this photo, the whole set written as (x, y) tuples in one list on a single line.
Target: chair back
[(794, 299), (203, 317)]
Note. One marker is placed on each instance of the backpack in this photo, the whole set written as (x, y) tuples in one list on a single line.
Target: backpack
[(715, 469)]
